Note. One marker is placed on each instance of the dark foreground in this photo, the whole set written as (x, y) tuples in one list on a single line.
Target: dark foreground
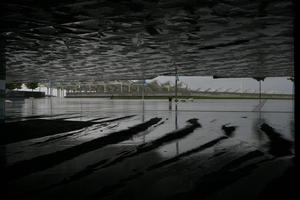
[(110, 149)]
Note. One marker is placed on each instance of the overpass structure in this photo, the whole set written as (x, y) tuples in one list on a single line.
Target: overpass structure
[(84, 40)]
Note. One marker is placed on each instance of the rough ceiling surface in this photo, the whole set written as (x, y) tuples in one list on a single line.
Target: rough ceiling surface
[(70, 40)]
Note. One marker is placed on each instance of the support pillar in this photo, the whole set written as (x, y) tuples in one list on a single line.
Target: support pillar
[(176, 101), (176, 88), (143, 90), (293, 79), (259, 91), (176, 127), (51, 91), (294, 96), (259, 79), (170, 103), (3, 159), (2, 81), (143, 99)]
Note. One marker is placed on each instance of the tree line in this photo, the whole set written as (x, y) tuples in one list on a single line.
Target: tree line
[(29, 85)]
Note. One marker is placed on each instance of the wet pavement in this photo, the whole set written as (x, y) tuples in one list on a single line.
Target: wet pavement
[(124, 149)]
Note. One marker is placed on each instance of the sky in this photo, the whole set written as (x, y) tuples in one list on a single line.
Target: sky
[(272, 84)]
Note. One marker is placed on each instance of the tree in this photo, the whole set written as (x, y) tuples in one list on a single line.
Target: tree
[(32, 85), (154, 86), (11, 86), (166, 85)]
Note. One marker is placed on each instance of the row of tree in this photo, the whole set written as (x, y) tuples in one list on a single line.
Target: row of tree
[(131, 87), (153, 86), (30, 85)]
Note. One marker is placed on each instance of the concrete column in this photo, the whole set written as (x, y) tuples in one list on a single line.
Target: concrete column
[(176, 101), (2, 80), (50, 99), (259, 79), (176, 88), (170, 103), (176, 127), (143, 99), (51, 91), (143, 90), (293, 79), (259, 91)]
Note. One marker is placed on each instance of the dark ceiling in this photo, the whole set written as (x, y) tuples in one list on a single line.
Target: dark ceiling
[(134, 39)]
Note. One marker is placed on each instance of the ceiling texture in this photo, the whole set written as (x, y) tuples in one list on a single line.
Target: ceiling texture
[(91, 40)]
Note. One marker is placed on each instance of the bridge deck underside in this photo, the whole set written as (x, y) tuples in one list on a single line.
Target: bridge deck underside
[(123, 40)]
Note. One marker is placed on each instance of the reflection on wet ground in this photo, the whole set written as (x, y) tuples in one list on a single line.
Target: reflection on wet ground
[(126, 149)]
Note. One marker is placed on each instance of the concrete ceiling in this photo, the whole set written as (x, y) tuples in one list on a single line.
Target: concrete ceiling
[(70, 40)]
